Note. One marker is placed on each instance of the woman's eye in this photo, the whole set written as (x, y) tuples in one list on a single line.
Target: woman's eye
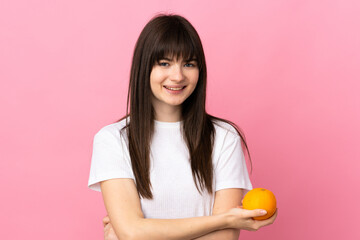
[(164, 64), (189, 65)]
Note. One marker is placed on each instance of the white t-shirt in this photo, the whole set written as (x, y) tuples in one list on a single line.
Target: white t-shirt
[(174, 192)]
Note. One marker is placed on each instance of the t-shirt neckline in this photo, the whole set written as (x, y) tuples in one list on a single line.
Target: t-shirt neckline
[(167, 124)]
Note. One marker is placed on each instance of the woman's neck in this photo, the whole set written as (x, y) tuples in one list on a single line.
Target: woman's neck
[(172, 114)]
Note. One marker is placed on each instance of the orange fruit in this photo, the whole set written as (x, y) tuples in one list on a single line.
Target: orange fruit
[(260, 198)]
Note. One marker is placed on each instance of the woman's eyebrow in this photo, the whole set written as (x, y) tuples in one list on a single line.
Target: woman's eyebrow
[(165, 58)]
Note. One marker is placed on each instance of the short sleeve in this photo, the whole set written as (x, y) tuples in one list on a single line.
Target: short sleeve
[(231, 170), (110, 158)]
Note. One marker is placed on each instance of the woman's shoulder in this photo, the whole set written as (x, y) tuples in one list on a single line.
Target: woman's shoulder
[(226, 136), (225, 127), (113, 128)]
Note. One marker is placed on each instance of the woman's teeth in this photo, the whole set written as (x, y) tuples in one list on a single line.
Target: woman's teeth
[(174, 89)]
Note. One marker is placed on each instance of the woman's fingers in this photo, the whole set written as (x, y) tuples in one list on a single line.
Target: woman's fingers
[(107, 227), (109, 233), (106, 220), (254, 213), (257, 224), (243, 218), (262, 223), (269, 220)]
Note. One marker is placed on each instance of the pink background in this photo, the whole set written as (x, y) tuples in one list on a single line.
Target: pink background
[(286, 71)]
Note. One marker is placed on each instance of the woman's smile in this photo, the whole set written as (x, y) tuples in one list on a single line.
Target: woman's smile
[(175, 90)]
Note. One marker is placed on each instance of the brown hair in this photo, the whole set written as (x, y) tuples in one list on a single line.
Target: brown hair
[(169, 35)]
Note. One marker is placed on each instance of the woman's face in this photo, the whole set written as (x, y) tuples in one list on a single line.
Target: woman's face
[(172, 82)]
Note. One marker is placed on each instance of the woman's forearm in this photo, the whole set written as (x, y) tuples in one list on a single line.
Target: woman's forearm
[(225, 234), (178, 229)]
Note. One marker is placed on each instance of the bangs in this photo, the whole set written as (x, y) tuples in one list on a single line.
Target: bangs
[(175, 42)]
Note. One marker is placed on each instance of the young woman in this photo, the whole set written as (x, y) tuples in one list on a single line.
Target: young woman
[(168, 170)]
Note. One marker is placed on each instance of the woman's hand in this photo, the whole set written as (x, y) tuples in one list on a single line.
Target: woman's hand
[(243, 219), (109, 233)]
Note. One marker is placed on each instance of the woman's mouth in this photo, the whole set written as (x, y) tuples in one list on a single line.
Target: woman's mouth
[(174, 90)]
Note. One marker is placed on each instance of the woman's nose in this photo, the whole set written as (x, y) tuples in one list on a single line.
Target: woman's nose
[(177, 73)]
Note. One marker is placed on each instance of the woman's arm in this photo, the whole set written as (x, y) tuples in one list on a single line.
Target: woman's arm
[(225, 199), (123, 206)]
